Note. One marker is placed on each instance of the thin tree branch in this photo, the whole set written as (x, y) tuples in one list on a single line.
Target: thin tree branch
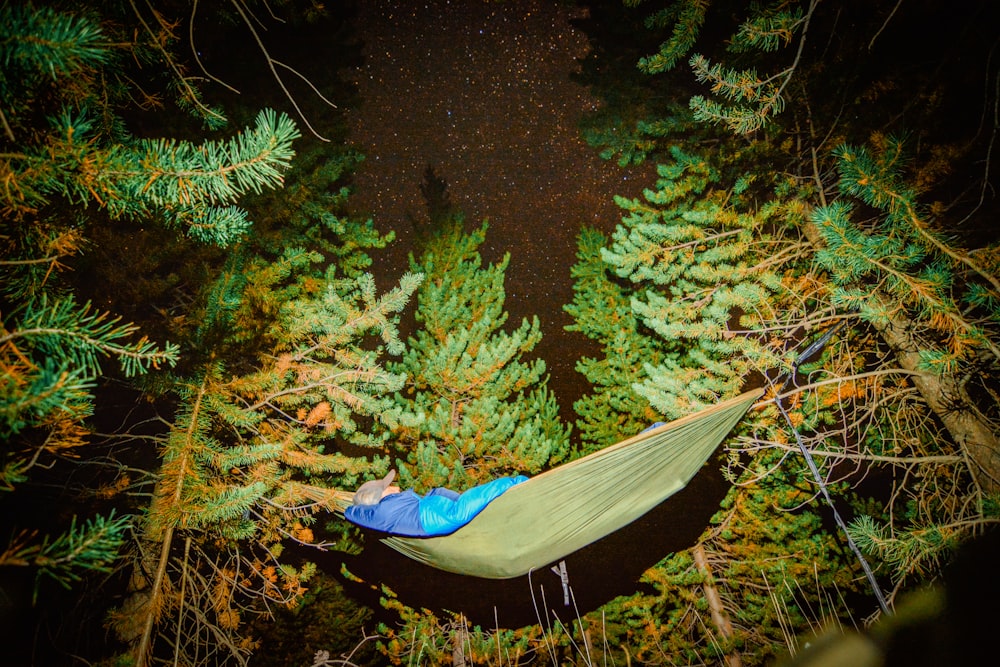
[(181, 79), (194, 51), (884, 24), (270, 64), (9, 132)]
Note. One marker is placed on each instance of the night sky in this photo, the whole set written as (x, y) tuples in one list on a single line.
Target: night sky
[(481, 91)]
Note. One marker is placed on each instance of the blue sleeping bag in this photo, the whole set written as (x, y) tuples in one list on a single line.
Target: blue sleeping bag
[(440, 512)]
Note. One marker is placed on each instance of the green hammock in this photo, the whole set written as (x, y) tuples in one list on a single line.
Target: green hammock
[(564, 509)]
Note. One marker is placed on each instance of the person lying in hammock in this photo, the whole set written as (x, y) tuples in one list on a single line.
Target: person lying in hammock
[(381, 505)]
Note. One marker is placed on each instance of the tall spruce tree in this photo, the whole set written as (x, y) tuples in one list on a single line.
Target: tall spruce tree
[(476, 407), (699, 256), (479, 408), (602, 311)]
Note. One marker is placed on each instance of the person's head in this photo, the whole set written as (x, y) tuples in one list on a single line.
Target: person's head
[(370, 493)]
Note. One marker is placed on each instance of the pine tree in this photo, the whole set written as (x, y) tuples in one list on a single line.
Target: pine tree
[(697, 287), (931, 300), (289, 347), (601, 310), (474, 408), (697, 256), (253, 456), (935, 305), (67, 163), (481, 410)]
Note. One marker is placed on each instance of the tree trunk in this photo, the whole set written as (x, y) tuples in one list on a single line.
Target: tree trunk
[(720, 619), (945, 396), (459, 637), (949, 400), (143, 649)]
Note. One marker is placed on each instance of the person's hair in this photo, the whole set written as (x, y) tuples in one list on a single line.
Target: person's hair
[(370, 493)]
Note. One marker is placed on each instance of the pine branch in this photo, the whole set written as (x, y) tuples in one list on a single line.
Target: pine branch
[(32, 394), (166, 172), (91, 547), (688, 17), (753, 100), (879, 186), (767, 31), (188, 183), (476, 408), (915, 267), (916, 550), (41, 40), (65, 330)]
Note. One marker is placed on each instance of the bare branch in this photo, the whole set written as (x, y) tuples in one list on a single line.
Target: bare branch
[(271, 63), (194, 51)]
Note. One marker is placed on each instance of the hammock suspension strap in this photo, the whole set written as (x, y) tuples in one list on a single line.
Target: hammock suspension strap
[(809, 351)]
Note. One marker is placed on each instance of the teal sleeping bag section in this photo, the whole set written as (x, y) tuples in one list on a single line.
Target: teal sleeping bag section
[(442, 515)]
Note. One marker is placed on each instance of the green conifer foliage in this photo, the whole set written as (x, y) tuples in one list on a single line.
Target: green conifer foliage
[(735, 275), (286, 402), (425, 639), (484, 410), (923, 292), (311, 211), (602, 311), (190, 186), (949, 291), (91, 547), (698, 257), (686, 19), (72, 151), (743, 100), (698, 280), (67, 163), (255, 452), (899, 273)]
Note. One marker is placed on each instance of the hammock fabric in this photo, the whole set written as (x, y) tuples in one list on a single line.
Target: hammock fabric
[(541, 521)]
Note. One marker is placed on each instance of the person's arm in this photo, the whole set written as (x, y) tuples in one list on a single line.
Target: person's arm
[(441, 491)]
